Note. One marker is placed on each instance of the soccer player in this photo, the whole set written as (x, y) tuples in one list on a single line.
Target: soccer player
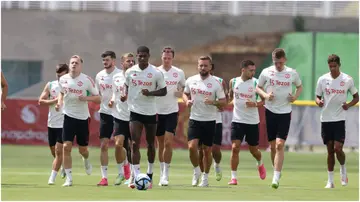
[(143, 82), (49, 97), (216, 148), (331, 93), (76, 90), (200, 94), (245, 118), (168, 111), (121, 116), (278, 97), (4, 91), (104, 84)]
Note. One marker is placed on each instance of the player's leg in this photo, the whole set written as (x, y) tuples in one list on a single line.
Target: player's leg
[(237, 135), (252, 138), (160, 137), (194, 131), (121, 131), (128, 172), (327, 135), (201, 157), (150, 130), (68, 134), (136, 128), (283, 130), (339, 138), (271, 129), (82, 139), (58, 155), (207, 138), (171, 123), (216, 151)]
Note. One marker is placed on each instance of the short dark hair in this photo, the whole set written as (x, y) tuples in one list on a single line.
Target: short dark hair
[(143, 49), (205, 58), (246, 63), (278, 53), (334, 58), (109, 53), (62, 67), (167, 49)]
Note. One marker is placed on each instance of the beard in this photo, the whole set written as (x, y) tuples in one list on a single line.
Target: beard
[(204, 73), (108, 67)]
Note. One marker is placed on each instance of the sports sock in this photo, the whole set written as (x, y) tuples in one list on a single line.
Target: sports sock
[(331, 176), (166, 170), (205, 176), (150, 168), (233, 174), (197, 170), (104, 172), (68, 174), (120, 167), (217, 167), (162, 165), (136, 169), (276, 175), (53, 175), (258, 163), (342, 169)]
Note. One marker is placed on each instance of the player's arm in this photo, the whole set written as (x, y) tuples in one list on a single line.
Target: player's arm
[(160, 82), (186, 95), (231, 91), (181, 86), (5, 88), (299, 88), (97, 85), (43, 99), (355, 95), (319, 94), (221, 102), (260, 87), (94, 93)]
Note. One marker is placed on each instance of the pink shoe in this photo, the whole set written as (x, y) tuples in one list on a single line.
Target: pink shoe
[(150, 186), (127, 171), (262, 171), (103, 182), (232, 182)]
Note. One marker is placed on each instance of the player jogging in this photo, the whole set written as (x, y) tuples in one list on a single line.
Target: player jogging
[(4, 91), (200, 94), (76, 89), (49, 97), (168, 111), (331, 93), (245, 122), (275, 86), (143, 82), (104, 84)]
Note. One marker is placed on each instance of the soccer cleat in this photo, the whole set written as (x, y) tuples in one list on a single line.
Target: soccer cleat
[(131, 182), (127, 171), (344, 179), (195, 180), (119, 179), (51, 182), (164, 181), (329, 185), (150, 185), (232, 182), (62, 174), (67, 183), (218, 175), (88, 167), (275, 184), (103, 182), (204, 183), (262, 171), (127, 181)]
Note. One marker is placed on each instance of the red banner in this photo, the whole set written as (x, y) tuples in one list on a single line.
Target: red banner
[(25, 122)]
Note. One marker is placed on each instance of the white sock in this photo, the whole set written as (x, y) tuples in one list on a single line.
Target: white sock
[(68, 174), (132, 170), (166, 170), (162, 166), (197, 170), (233, 174), (150, 168), (136, 169), (120, 167), (53, 175), (104, 172), (205, 176), (217, 167), (276, 175), (331, 176), (259, 163), (86, 161), (342, 169)]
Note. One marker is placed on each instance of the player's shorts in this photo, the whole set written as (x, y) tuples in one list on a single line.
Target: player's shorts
[(121, 128), (54, 136), (106, 125), (218, 134), (77, 127), (204, 131), (333, 131), (144, 119), (166, 123), (277, 125), (249, 131)]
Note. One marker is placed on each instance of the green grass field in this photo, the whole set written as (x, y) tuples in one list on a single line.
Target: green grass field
[(25, 171)]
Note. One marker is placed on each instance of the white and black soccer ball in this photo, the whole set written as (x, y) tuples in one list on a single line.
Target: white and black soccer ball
[(142, 181)]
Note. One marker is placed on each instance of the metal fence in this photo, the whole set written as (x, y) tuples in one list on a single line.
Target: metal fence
[(325, 9)]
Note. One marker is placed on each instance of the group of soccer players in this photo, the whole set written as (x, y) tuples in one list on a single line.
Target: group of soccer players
[(142, 96)]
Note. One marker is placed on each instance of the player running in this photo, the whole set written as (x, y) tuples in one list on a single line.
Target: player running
[(104, 84), (331, 93), (245, 118), (143, 82), (277, 82), (76, 89), (200, 94), (49, 97), (4, 91), (168, 111)]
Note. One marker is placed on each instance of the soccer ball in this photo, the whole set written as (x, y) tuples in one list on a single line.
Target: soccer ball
[(142, 181)]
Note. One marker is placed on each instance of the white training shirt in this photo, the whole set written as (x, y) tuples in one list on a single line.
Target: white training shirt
[(72, 89), (104, 82), (174, 79), (280, 83), (55, 119), (120, 109), (219, 113), (334, 92), (242, 92), (136, 79), (199, 89)]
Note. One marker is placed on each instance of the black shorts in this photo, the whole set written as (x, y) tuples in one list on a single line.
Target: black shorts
[(106, 125), (204, 131), (54, 136), (218, 134), (166, 123), (144, 119), (277, 125), (77, 127), (250, 131), (333, 131), (121, 128)]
